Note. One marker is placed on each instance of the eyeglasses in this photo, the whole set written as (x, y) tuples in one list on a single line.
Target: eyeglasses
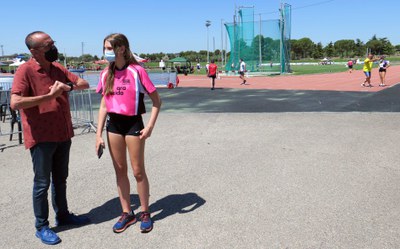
[(48, 46)]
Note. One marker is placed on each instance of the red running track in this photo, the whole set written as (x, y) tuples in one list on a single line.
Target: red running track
[(344, 81)]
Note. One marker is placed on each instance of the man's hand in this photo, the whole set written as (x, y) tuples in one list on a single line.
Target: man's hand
[(58, 88)]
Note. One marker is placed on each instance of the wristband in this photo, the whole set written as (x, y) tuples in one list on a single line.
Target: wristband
[(70, 85)]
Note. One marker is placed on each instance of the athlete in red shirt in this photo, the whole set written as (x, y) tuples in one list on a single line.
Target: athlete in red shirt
[(212, 73)]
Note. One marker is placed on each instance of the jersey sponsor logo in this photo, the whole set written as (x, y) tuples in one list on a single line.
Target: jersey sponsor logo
[(120, 90)]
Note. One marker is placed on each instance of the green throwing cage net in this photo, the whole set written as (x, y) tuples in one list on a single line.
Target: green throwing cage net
[(264, 45)]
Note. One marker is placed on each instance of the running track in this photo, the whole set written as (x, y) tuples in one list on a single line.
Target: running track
[(344, 81)]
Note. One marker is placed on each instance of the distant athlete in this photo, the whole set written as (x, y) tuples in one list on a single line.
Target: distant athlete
[(242, 70), (367, 68), (383, 65), (350, 65), (212, 73)]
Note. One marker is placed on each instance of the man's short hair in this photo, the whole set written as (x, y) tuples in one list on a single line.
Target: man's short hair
[(29, 42)]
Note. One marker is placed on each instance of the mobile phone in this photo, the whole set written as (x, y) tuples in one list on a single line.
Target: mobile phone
[(100, 151)]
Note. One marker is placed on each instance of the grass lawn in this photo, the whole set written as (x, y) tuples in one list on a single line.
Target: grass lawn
[(298, 69), (317, 69)]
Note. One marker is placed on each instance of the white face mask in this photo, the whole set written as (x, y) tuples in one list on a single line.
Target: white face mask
[(109, 55)]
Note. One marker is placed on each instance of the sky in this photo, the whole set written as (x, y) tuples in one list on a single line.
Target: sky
[(173, 26)]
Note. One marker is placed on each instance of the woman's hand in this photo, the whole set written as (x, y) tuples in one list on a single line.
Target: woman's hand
[(99, 142), (146, 132)]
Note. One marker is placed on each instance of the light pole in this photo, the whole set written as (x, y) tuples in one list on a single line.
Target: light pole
[(222, 45), (65, 58), (208, 24)]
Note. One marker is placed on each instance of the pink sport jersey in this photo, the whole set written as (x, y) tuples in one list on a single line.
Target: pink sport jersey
[(130, 84)]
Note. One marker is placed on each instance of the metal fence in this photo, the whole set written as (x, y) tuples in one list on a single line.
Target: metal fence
[(163, 79), (8, 117), (82, 110), (82, 104), (10, 123)]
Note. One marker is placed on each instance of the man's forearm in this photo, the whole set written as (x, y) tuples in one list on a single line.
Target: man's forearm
[(19, 102), (81, 85)]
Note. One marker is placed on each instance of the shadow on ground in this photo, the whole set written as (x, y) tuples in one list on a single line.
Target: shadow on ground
[(161, 209), (200, 100)]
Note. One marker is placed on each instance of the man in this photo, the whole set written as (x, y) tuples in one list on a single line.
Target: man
[(40, 90), (367, 68), (161, 64), (242, 70), (212, 73)]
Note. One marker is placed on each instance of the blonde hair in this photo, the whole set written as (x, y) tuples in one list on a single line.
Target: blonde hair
[(117, 40)]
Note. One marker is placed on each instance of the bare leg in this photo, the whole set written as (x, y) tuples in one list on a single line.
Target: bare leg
[(136, 155), (369, 81), (382, 75), (242, 77), (117, 147)]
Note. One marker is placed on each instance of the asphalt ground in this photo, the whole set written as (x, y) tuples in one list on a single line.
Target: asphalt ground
[(237, 168)]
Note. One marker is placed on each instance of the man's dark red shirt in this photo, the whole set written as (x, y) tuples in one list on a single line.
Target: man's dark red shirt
[(50, 121)]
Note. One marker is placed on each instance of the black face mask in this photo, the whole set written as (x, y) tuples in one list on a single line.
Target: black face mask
[(52, 54)]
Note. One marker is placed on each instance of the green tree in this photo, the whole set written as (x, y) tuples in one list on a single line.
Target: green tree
[(271, 49), (380, 46), (165, 58), (256, 43), (295, 49), (329, 50), (245, 52), (359, 48), (397, 48), (86, 58), (374, 45), (306, 47), (387, 47), (318, 52), (61, 57), (345, 48)]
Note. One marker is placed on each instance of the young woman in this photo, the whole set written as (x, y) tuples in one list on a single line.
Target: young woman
[(123, 84), (383, 65)]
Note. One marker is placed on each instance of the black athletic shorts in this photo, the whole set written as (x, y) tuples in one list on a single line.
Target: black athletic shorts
[(241, 73), (124, 125), (382, 69)]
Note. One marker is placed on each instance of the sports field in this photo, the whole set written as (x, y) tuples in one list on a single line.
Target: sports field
[(343, 81)]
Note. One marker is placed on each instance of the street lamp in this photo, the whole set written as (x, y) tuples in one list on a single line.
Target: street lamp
[(208, 24), (82, 47)]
